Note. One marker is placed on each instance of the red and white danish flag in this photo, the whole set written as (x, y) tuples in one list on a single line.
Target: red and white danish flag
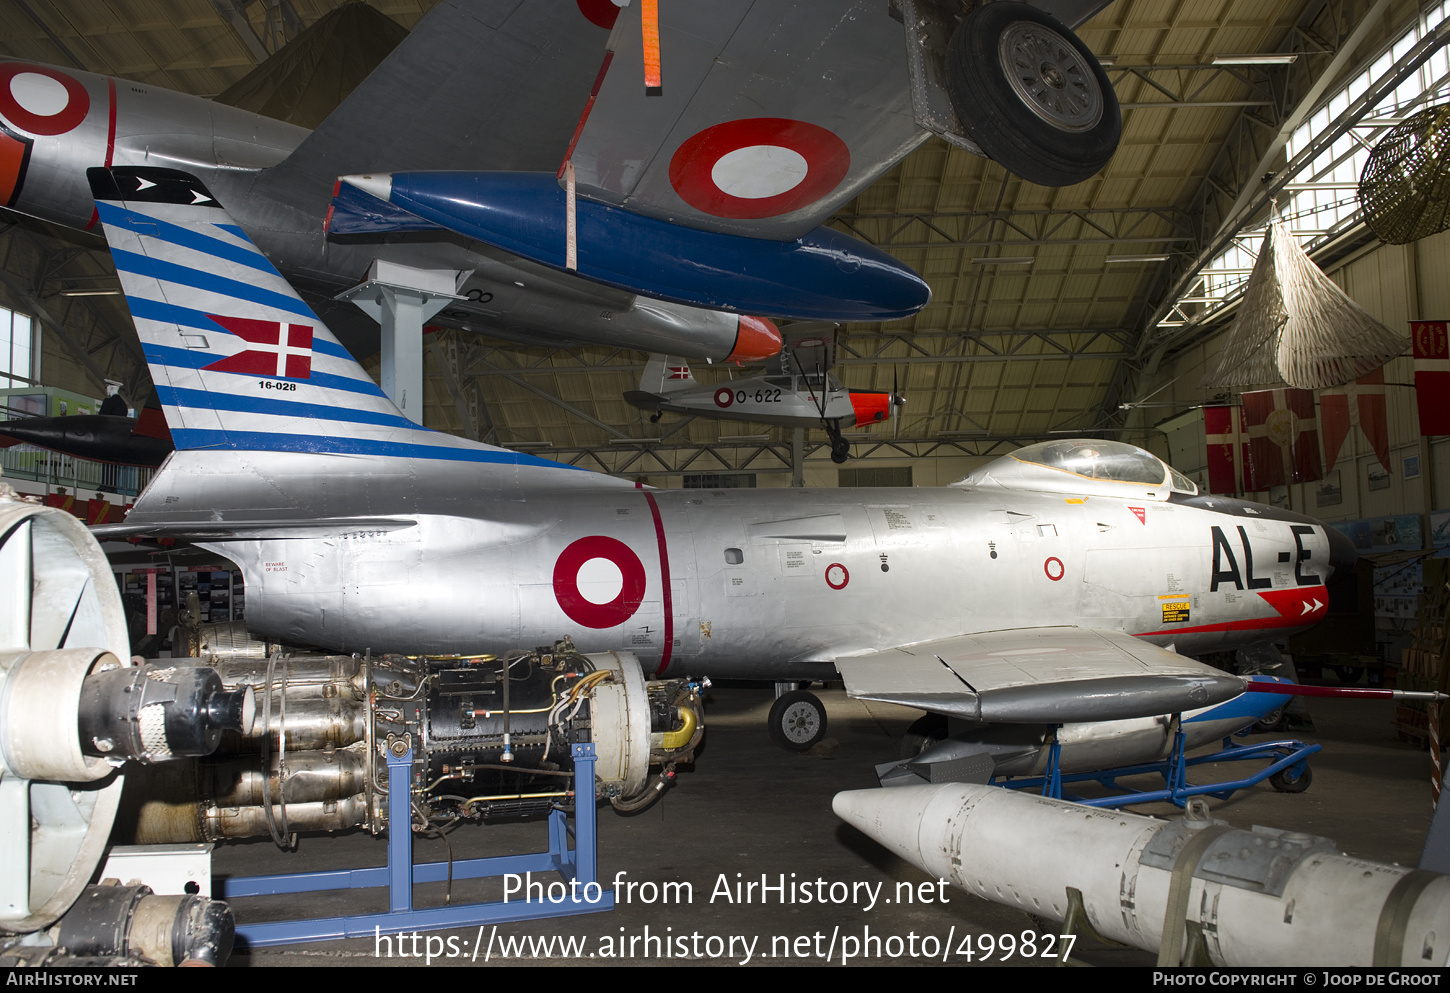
[(1283, 439), (679, 372), (1337, 416), (1223, 432), (1432, 375), (279, 350)]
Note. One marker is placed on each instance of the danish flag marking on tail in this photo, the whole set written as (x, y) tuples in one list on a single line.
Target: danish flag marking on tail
[(679, 372), (283, 350)]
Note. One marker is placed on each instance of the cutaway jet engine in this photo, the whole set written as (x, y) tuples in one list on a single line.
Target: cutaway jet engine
[(490, 738)]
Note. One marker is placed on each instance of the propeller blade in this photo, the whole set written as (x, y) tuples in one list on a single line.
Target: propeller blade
[(895, 395)]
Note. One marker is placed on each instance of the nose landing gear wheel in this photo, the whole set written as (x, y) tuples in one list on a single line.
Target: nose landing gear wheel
[(797, 721)]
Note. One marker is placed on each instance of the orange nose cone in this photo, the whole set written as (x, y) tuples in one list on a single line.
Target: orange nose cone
[(870, 407), (756, 339)]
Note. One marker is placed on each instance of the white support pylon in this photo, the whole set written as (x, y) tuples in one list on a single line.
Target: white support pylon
[(402, 299)]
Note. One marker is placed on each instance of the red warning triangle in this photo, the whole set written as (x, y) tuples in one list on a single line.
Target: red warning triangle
[(1140, 513)]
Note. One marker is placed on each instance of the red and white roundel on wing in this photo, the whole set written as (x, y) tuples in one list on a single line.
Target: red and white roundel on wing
[(758, 167), (724, 396), (599, 582), (39, 100), (602, 13)]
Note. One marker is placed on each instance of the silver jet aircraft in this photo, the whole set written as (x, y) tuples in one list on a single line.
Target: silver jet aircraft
[(1056, 585)]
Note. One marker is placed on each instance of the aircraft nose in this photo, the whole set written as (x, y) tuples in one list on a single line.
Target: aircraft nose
[(756, 339), (1342, 554)]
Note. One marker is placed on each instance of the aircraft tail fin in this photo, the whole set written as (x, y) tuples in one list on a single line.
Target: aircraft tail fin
[(665, 374), (239, 360)]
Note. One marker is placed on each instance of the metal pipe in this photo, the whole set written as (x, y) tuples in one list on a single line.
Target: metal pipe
[(311, 776), (221, 823)]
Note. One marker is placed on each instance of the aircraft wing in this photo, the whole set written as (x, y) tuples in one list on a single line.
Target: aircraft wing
[(477, 85), (1047, 675), (812, 347), (768, 118)]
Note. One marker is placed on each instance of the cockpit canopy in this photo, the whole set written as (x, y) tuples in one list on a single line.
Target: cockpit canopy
[(1083, 466)]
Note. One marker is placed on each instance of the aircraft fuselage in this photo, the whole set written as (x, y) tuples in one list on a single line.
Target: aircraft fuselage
[(740, 583)]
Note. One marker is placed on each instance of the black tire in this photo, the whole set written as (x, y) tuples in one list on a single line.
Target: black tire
[(1057, 122), (924, 732), (1281, 781), (797, 721), (1271, 723), (1349, 674)]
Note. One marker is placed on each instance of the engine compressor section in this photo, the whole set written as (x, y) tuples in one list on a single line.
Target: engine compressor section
[(490, 737)]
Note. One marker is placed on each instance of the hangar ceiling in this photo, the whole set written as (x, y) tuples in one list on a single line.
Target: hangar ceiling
[(1047, 303)]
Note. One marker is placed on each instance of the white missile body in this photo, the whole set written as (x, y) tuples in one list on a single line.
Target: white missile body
[(1261, 897)]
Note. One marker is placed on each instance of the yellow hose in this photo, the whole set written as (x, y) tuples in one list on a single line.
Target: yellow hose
[(680, 738)]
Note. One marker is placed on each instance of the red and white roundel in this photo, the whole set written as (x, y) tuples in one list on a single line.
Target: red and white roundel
[(836, 576), (599, 582), (724, 396), (600, 12), (40, 100), (758, 167), (1054, 568)]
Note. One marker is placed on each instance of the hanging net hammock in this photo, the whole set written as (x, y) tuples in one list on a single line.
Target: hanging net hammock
[(1295, 326), (1405, 187)]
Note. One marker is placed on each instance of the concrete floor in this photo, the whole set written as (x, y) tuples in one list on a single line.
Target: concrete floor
[(749, 808)]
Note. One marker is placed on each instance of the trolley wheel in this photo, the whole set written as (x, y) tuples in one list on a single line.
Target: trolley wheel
[(1286, 782), (924, 732), (797, 721)]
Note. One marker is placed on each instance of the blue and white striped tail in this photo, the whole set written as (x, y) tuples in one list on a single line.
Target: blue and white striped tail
[(238, 359)]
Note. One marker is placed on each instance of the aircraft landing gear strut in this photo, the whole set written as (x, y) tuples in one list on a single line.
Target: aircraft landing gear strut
[(840, 447)]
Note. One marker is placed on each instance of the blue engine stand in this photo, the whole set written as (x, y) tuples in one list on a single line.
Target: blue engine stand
[(1286, 754), (578, 866)]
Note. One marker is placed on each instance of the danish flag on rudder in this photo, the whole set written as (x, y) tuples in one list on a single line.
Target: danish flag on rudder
[(239, 360), (283, 350)]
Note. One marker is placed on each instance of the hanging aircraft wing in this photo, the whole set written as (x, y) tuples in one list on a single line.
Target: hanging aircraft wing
[(477, 85), (768, 116), (1048, 675), (812, 345)]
